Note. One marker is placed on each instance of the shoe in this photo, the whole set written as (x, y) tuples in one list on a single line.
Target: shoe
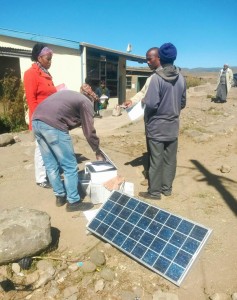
[(166, 193), (144, 182), (44, 184), (79, 205), (147, 195), (60, 200)]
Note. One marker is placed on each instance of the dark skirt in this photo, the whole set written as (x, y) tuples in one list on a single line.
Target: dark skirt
[(221, 93)]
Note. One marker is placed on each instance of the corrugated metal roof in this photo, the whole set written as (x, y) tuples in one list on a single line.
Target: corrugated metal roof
[(128, 56), (15, 52), (66, 43), (40, 38)]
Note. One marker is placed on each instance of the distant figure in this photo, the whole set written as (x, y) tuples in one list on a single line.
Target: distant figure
[(224, 82), (38, 84), (103, 93)]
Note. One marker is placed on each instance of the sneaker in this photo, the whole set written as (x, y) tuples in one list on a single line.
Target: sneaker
[(147, 195), (166, 193), (78, 206), (45, 185), (60, 200)]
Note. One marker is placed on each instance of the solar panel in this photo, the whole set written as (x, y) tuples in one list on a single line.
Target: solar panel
[(166, 243)]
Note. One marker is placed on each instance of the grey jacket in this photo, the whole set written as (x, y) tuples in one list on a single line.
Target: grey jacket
[(165, 98), (66, 110)]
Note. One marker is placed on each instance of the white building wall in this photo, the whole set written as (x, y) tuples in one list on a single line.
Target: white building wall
[(66, 62)]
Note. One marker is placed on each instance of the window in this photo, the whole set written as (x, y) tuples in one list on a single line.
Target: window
[(128, 82)]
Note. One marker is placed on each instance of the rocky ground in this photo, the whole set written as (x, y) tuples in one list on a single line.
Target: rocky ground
[(205, 189)]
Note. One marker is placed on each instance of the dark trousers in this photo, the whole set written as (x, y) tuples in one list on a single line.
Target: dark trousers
[(163, 161)]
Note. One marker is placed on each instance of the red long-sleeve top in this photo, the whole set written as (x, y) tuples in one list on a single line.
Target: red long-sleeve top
[(38, 86)]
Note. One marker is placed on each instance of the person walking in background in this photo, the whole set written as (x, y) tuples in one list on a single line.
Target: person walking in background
[(103, 94), (224, 83), (52, 120), (38, 85), (165, 97)]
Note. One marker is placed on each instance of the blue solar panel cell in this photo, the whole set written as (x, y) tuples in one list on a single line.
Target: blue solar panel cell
[(151, 212), (127, 228), (177, 239), (185, 227), (136, 233), (158, 245), (119, 239), (110, 234), (170, 251), (161, 264), (117, 223), (165, 233), (154, 227), (146, 239), (166, 243), (174, 272), (191, 245), (141, 207), (128, 245), (183, 258), (198, 233), (144, 222), (125, 213), (134, 218), (149, 257), (162, 216), (139, 250), (173, 222)]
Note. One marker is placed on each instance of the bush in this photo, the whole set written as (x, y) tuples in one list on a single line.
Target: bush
[(12, 117), (194, 81)]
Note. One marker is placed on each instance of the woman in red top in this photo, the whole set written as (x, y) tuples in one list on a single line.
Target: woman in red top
[(38, 86)]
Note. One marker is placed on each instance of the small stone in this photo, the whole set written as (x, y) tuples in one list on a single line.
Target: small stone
[(107, 274), (69, 291), (32, 277), (73, 267), (158, 295), (127, 295), (97, 257), (225, 169), (88, 267), (45, 266), (99, 285), (16, 268), (234, 296), (219, 296)]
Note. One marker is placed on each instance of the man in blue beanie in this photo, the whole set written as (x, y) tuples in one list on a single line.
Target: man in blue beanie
[(165, 97)]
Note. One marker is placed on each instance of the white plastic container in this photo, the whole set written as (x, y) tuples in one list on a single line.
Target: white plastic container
[(101, 171), (84, 183), (98, 193)]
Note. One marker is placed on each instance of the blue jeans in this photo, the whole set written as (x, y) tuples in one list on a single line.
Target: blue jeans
[(58, 154)]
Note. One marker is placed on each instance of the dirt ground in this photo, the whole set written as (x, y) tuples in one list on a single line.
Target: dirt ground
[(205, 191)]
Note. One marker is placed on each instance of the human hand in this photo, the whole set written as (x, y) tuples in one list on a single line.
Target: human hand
[(126, 104), (99, 156)]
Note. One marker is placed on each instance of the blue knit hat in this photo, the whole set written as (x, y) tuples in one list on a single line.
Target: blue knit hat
[(168, 53)]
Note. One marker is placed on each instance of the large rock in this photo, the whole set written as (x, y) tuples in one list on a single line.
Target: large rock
[(6, 139), (23, 232)]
